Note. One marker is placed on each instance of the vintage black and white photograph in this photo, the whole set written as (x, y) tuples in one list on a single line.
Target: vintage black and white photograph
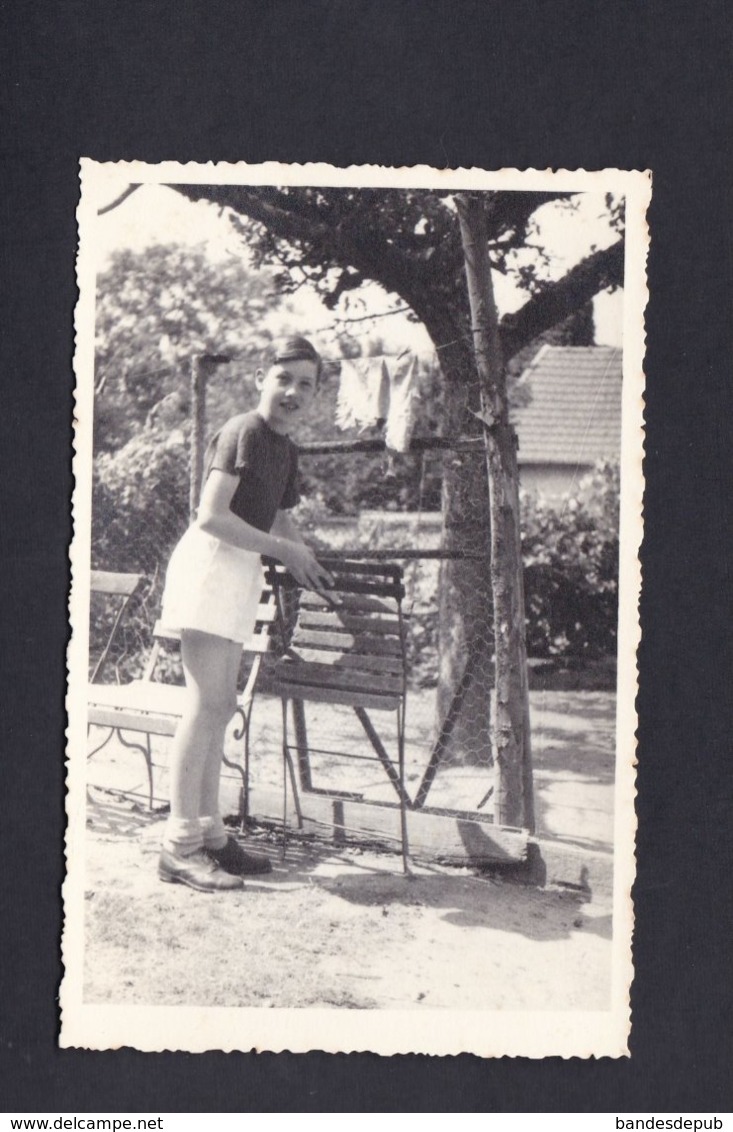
[(354, 609)]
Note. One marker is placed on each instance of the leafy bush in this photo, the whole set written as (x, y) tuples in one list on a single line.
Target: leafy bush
[(140, 502), (571, 569), (139, 511)]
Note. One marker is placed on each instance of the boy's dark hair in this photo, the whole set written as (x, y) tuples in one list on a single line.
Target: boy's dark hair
[(293, 349)]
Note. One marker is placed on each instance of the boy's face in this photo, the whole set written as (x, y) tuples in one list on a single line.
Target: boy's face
[(286, 389)]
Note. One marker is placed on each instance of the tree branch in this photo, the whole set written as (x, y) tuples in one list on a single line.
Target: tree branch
[(373, 257), (118, 200), (284, 224), (557, 300), (422, 282)]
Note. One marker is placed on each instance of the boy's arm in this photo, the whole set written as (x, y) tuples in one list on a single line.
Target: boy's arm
[(215, 518), (286, 527)]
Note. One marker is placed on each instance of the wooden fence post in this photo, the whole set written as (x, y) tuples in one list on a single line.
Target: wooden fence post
[(512, 747), (198, 377), (201, 368)]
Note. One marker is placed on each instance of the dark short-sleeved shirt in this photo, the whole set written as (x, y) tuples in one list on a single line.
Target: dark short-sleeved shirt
[(266, 463)]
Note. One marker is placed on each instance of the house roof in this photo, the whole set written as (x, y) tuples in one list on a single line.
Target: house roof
[(574, 415)]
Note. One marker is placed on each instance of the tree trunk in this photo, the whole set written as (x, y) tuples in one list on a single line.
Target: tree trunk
[(465, 618), (465, 621), (512, 751)]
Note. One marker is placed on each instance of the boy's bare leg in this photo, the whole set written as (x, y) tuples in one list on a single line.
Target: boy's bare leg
[(210, 780), (210, 665), (226, 851), (210, 702)]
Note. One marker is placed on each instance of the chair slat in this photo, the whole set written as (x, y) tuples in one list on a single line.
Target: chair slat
[(260, 641), (132, 719), (141, 705), (333, 676), (364, 661), (356, 603), (331, 618), (390, 570), (108, 582), (385, 588), (347, 642), (344, 585), (351, 568), (383, 702)]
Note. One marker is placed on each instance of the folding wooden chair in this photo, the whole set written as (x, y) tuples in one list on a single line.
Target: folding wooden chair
[(120, 590), (347, 647)]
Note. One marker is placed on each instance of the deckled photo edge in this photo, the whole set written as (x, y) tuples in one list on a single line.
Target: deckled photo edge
[(389, 1032)]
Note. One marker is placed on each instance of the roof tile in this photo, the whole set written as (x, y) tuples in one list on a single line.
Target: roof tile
[(574, 416)]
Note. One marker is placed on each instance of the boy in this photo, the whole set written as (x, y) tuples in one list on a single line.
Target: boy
[(213, 586)]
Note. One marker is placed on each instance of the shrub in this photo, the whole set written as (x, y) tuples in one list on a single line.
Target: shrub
[(140, 502), (139, 511), (570, 556)]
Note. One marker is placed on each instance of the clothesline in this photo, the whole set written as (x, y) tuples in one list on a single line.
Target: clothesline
[(377, 444), (335, 327)]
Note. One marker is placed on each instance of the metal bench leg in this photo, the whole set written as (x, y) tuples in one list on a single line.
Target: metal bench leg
[(147, 753), (243, 771)]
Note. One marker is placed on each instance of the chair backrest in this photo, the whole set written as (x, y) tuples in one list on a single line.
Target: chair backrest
[(347, 643), (120, 589)]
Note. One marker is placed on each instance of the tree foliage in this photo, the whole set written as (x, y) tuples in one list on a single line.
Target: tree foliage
[(156, 308), (408, 241)]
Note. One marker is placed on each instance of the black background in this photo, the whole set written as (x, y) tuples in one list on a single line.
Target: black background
[(465, 82)]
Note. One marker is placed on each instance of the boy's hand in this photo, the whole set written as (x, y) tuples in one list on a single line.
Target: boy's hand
[(305, 567)]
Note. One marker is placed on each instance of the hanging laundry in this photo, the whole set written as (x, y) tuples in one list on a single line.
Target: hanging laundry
[(363, 396), (373, 391), (403, 396)]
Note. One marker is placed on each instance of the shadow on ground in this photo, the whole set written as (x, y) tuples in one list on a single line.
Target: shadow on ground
[(467, 902), (329, 927)]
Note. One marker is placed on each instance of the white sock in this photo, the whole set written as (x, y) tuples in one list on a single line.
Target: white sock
[(183, 836), (214, 831)]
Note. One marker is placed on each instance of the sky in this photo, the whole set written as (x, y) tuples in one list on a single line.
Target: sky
[(155, 213)]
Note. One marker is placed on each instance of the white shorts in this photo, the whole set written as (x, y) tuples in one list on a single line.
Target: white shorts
[(212, 586)]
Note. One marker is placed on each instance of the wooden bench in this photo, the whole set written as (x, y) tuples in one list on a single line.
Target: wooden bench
[(148, 707), (347, 647)]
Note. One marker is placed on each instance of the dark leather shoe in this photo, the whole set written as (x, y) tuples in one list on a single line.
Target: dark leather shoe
[(236, 861), (198, 870)]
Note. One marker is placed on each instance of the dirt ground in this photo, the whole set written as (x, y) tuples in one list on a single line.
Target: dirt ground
[(326, 929), (345, 928)]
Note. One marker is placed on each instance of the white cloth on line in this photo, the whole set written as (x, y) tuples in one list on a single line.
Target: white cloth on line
[(363, 397), (375, 390), (403, 395)]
